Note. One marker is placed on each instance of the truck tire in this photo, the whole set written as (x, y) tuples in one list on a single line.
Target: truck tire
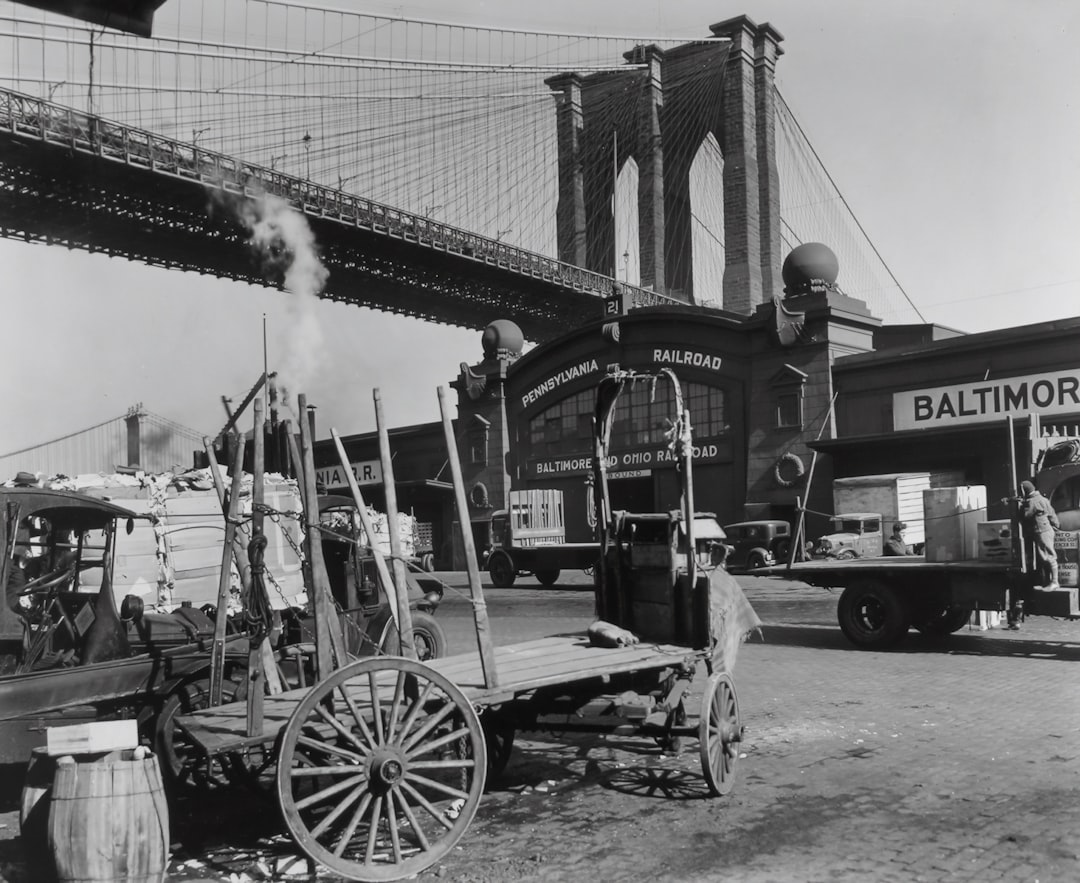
[(872, 615), (428, 637), (501, 570), (547, 577), (782, 551), (944, 621)]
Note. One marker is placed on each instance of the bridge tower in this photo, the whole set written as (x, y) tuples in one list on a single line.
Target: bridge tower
[(659, 113)]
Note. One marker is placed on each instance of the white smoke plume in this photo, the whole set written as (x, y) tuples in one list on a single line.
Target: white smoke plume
[(285, 247)]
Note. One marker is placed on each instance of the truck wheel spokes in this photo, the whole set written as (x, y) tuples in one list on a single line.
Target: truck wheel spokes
[(719, 733), (381, 769)]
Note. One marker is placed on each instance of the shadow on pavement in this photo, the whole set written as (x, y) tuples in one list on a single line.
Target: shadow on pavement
[(655, 782), (1010, 644)]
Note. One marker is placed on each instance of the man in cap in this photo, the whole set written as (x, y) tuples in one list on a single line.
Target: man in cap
[(895, 544), (1040, 521)]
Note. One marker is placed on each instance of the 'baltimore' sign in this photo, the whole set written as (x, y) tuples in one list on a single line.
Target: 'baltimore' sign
[(1056, 392)]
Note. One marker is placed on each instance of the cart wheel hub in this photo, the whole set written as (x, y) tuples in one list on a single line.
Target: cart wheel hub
[(387, 770)]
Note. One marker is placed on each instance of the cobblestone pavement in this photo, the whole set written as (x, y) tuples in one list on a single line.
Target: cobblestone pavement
[(952, 759)]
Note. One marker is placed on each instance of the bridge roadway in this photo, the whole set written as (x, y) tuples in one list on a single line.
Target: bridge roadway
[(80, 181)]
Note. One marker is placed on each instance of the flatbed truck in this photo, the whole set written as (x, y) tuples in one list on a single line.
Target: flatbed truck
[(883, 598), (529, 537)]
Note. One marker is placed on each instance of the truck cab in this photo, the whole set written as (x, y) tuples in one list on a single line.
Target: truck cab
[(855, 535)]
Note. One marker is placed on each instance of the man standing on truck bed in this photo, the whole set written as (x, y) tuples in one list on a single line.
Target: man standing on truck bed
[(895, 544), (1041, 520)]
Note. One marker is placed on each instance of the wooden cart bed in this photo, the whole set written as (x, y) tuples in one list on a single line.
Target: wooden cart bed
[(558, 659)]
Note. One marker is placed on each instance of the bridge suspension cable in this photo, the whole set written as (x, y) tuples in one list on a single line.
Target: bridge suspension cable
[(453, 122)]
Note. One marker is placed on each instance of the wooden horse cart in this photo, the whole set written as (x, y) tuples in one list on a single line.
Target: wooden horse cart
[(380, 767)]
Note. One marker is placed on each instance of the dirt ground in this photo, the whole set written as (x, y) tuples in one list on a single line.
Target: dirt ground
[(945, 760)]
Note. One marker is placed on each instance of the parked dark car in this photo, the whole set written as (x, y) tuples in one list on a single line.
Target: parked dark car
[(757, 544)]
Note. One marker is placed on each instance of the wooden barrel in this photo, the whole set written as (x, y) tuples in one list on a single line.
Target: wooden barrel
[(109, 821)]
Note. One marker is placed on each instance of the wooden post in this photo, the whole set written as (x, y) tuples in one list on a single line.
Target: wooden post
[(483, 629), (328, 640), (389, 591), (217, 652), (797, 540), (406, 641), (799, 553), (259, 640)]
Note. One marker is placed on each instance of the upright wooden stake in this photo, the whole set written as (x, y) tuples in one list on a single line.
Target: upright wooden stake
[(797, 540), (483, 629), (259, 641), (800, 553), (217, 652), (404, 618), (328, 640), (389, 590)]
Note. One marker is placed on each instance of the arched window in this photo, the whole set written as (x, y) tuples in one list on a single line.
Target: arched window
[(707, 233), (642, 416)]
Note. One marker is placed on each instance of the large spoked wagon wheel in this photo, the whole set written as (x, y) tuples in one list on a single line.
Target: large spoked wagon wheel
[(719, 733), (185, 769), (381, 769)]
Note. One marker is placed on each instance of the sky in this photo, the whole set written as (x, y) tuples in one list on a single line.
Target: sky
[(952, 129)]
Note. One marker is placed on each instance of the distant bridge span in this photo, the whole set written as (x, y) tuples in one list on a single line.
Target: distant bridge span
[(80, 181)]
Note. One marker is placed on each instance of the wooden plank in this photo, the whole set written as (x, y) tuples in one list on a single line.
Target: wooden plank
[(476, 591), (329, 645), (406, 642), (229, 512), (552, 661), (526, 650)]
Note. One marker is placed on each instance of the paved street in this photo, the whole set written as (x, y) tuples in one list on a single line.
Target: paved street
[(947, 760), (954, 759)]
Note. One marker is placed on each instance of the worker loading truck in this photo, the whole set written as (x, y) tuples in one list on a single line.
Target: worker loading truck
[(968, 563)]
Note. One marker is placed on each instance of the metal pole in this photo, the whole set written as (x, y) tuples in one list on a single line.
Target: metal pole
[(1015, 515)]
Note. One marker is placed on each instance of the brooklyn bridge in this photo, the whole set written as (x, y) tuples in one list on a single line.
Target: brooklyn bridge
[(448, 173)]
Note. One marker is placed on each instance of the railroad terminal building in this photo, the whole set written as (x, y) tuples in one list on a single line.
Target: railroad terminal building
[(789, 384), (808, 383)]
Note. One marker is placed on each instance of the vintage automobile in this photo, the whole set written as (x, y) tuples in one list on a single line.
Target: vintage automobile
[(757, 544), (366, 611), (69, 654), (856, 535)]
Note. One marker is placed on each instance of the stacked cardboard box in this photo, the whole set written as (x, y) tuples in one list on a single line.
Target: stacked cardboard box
[(953, 515), (995, 540)]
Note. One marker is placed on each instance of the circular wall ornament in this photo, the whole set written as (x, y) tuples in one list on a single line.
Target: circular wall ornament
[(479, 495)]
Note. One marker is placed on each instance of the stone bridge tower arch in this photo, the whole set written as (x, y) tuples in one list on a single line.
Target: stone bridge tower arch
[(660, 112)]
